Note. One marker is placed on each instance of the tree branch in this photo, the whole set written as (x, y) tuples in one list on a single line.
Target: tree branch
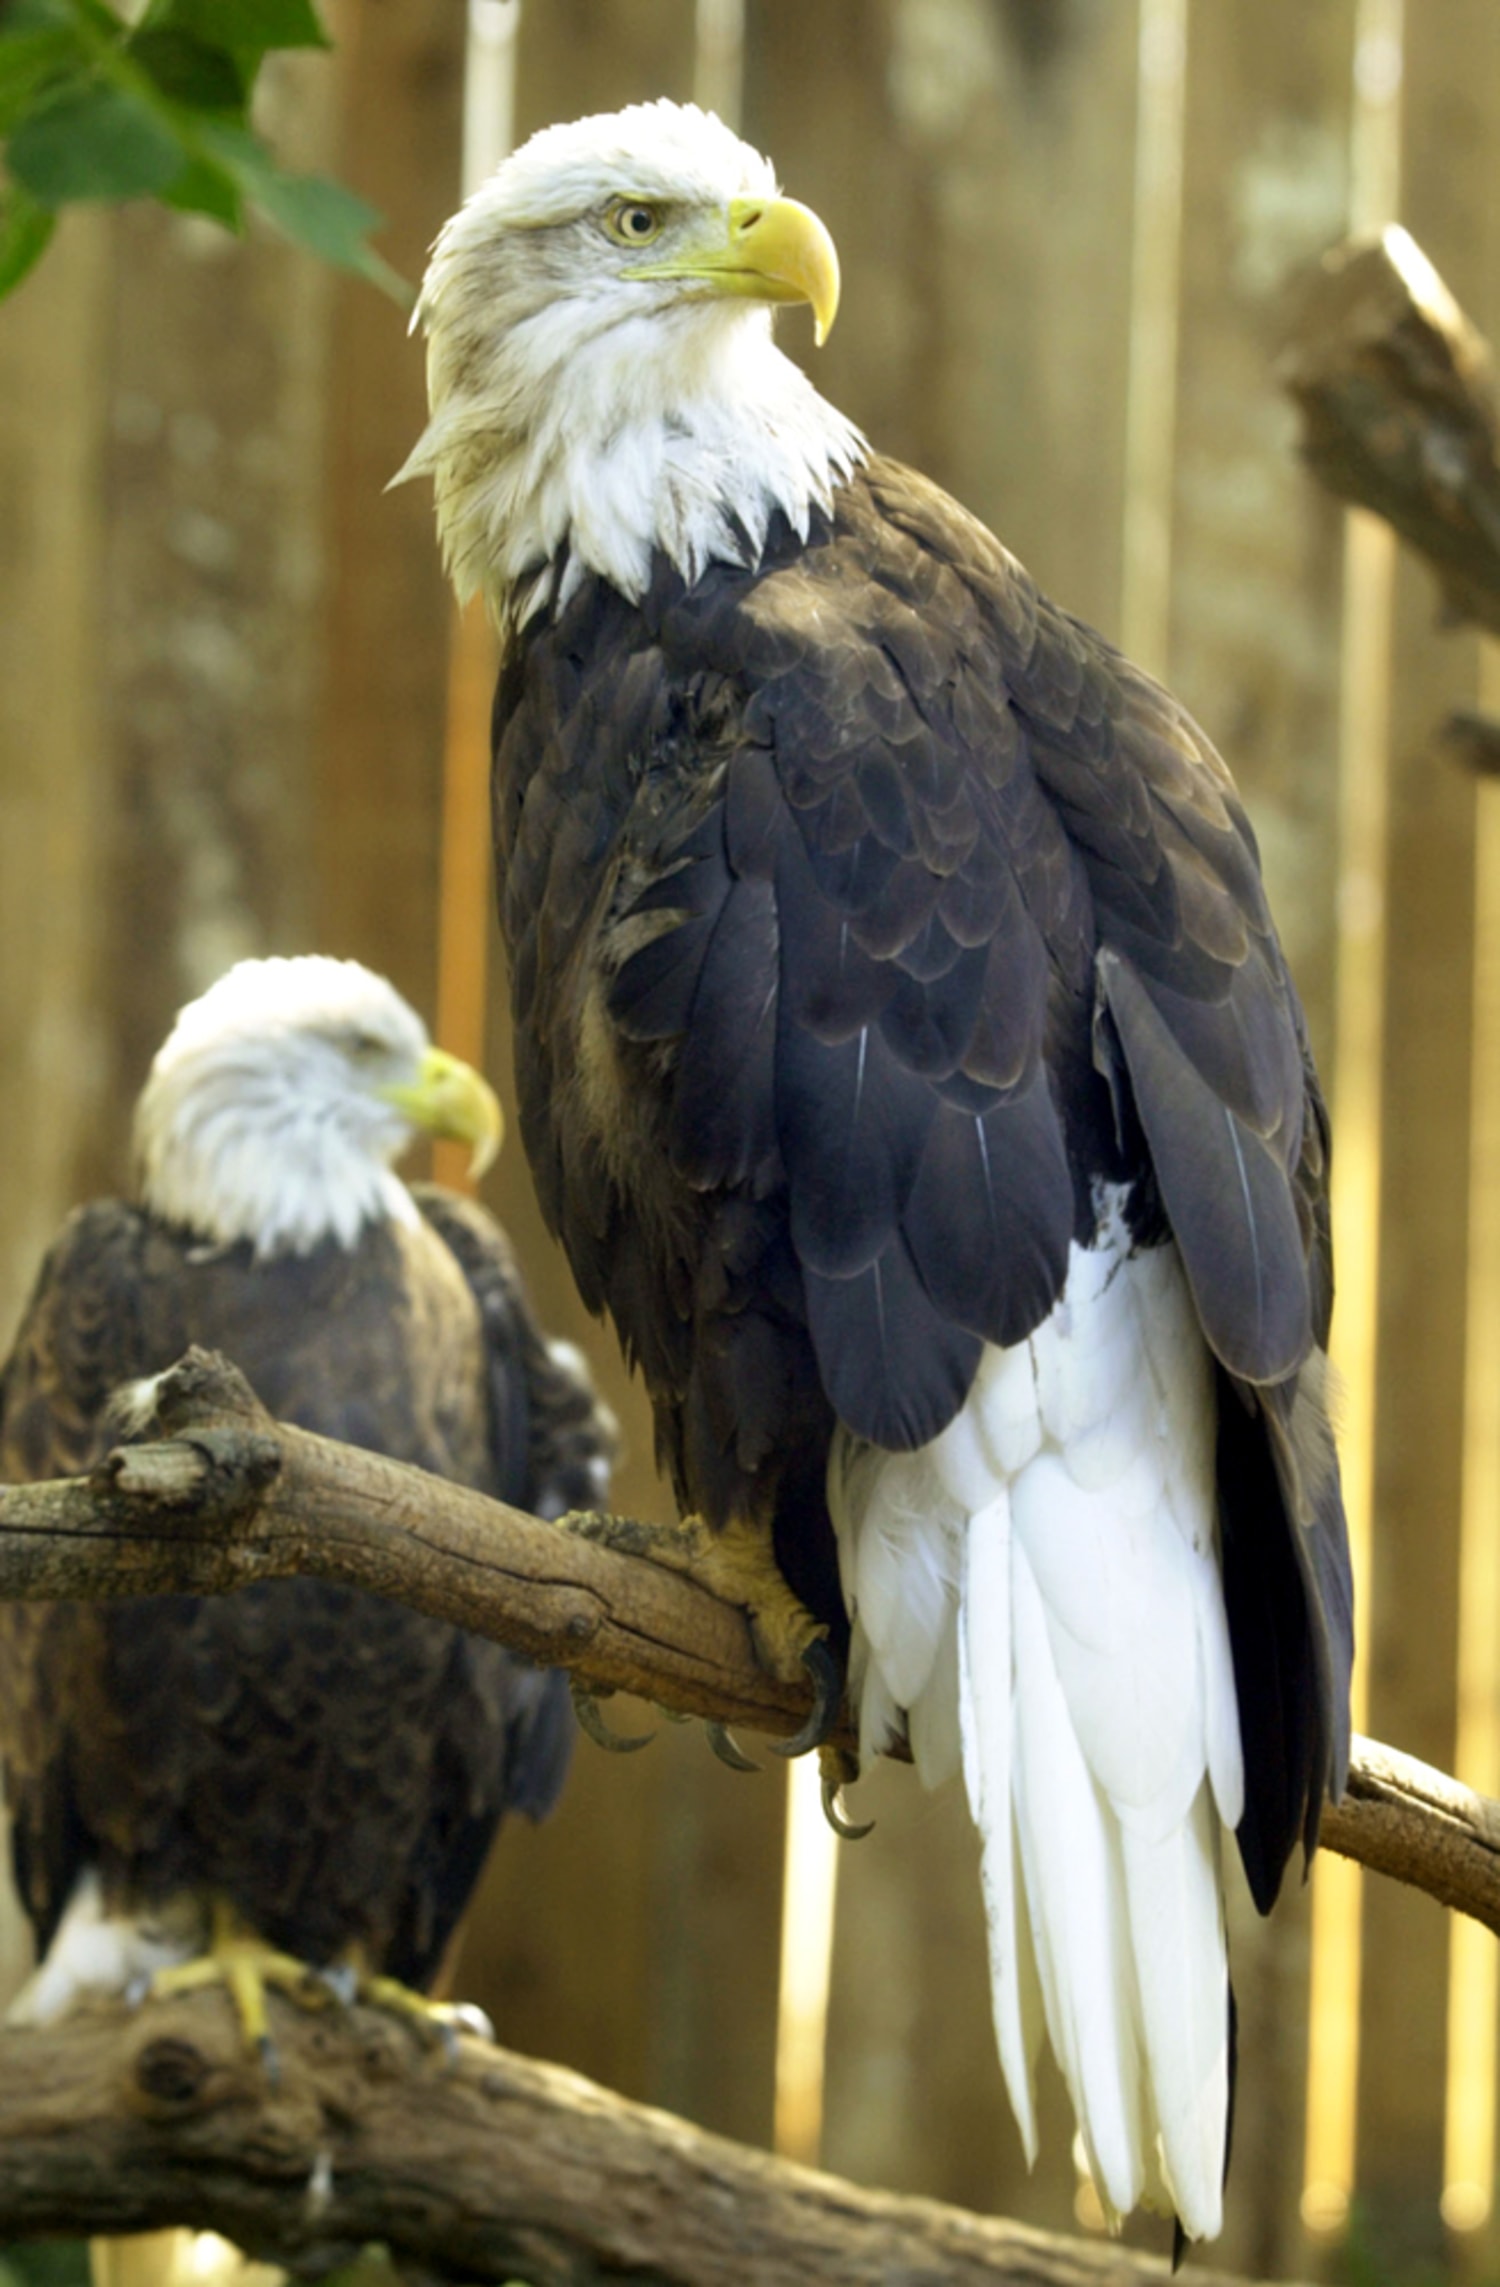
[(229, 1496), (487, 2166), (1395, 388), (225, 1496)]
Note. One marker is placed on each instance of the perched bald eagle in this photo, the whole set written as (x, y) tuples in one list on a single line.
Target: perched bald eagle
[(316, 1772), (910, 1067)]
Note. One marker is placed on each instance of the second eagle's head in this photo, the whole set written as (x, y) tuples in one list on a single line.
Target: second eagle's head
[(600, 363), (275, 1107)]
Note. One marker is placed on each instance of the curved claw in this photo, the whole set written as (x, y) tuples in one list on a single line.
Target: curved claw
[(726, 1749), (586, 1708), (828, 1697), (842, 1827)]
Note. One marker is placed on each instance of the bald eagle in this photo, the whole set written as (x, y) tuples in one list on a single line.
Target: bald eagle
[(909, 1064), (300, 1773)]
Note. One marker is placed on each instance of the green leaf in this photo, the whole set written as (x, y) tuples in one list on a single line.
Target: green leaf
[(203, 188), (253, 24), (331, 221), (188, 70), (101, 142), (309, 209), (32, 62), (23, 18), (25, 227)]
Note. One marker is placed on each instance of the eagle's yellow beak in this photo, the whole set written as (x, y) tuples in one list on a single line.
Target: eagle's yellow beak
[(449, 1098), (768, 250)]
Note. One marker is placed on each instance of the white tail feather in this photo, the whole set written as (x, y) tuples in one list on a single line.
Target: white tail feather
[(1075, 1890), (986, 1708), (1181, 1965), (1039, 1590)]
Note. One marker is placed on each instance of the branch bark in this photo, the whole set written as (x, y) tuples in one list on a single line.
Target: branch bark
[(487, 2166), (219, 1495), (1396, 392)]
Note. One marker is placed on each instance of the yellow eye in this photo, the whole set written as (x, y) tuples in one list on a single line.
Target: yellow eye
[(632, 222)]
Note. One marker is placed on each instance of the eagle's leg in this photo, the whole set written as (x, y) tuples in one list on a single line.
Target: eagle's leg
[(245, 1965), (736, 1563)]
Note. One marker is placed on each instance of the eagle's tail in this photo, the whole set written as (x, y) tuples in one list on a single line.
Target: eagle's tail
[(1042, 1584)]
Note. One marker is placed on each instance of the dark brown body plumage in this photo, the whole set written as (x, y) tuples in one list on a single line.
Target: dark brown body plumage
[(867, 913), (333, 1764)]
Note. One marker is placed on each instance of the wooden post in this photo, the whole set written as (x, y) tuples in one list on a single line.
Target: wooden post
[(380, 766)]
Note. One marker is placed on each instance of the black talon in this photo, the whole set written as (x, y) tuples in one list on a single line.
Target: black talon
[(842, 1827), (828, 1698), (586, 1708), (727, 1750)]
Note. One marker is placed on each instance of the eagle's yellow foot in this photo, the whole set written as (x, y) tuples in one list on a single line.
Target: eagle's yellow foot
[(442, 2021), (738, 1564), (241, 1961)]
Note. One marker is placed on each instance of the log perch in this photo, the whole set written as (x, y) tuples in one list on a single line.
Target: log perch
[(216, 1495), (484, 2165), (212, 1494), (1396, 391)]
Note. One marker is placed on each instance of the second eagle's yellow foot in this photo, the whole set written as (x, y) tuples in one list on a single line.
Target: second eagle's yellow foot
[(247, 1967), (737, 1563)]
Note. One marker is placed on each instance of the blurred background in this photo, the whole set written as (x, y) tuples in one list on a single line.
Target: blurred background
[(237, 716)]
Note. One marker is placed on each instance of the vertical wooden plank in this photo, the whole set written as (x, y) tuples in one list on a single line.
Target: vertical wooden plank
[(977, 174), (386, 625), (636, 1936), (1446, 124), (575, 57), (1256, 546), (54, 802), (1469, 2157), (1254, 651), (210, 638)]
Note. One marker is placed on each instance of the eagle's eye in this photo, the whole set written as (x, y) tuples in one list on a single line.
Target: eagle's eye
[(631, 222)]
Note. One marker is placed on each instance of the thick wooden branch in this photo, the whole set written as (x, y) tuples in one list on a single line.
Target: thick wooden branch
[(224, 1496), (487, 2165), (1395, 388)]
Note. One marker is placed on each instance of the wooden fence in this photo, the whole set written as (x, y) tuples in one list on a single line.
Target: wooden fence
[(231, 701)]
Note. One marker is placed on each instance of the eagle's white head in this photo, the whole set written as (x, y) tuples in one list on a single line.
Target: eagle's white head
[(280, 1098), (600, 365)]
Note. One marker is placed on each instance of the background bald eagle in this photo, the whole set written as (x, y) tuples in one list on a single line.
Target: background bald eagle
[(909, 1065), (311, 1762)]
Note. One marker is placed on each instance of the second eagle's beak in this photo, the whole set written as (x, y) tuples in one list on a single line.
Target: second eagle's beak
[(772, 250), (449, 1098)]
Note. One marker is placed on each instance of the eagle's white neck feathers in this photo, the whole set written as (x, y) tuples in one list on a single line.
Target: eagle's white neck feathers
[(262, 1117), (583, 418)]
